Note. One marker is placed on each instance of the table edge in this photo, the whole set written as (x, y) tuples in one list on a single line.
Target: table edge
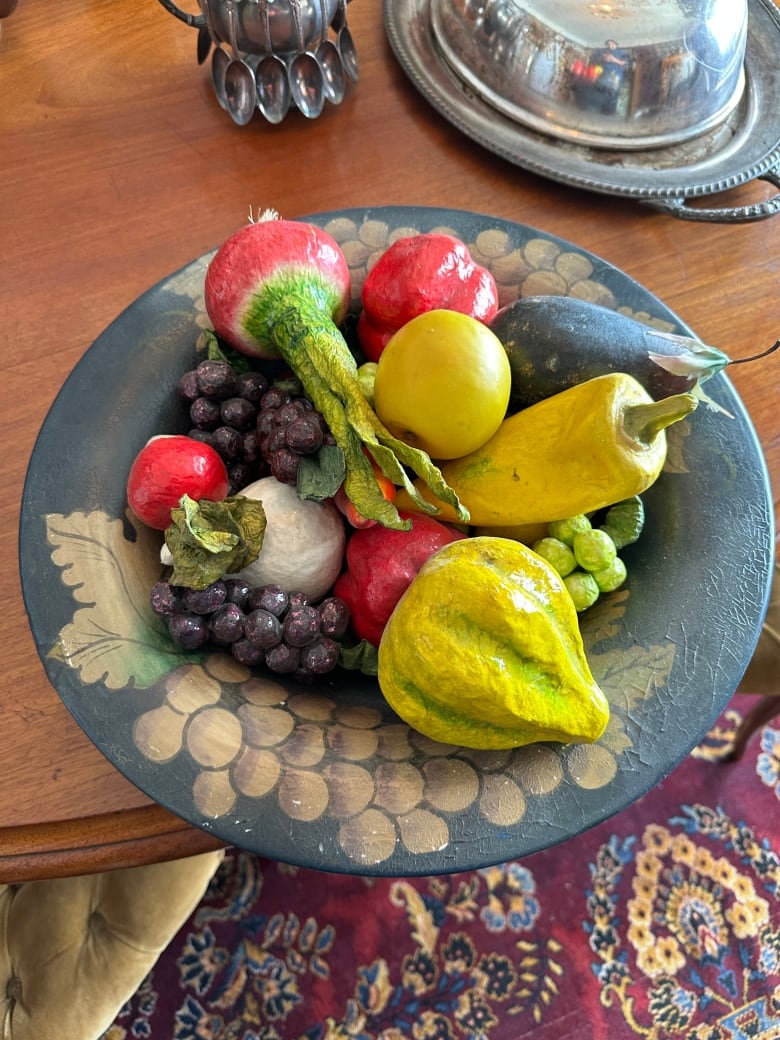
[(90, 845)]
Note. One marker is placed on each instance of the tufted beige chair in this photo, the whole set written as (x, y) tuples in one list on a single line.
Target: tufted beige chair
[(73, 950)]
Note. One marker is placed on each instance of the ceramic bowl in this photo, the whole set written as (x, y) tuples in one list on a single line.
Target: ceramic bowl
[(328, 776)]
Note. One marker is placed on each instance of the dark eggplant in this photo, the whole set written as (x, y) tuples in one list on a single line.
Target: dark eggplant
[(554, 342)]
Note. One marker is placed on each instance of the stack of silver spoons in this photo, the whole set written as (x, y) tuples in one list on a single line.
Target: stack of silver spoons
[(274, 55)]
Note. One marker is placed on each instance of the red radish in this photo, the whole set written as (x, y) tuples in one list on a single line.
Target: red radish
[(279, 288), (260, 269), (168, 467)]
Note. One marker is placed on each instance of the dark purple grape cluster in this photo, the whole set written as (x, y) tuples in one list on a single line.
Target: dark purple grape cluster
[(289, 427), (263, 625), (223, 408), (258, 425)]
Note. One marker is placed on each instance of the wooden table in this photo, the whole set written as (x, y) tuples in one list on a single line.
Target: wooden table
[(117, 167)]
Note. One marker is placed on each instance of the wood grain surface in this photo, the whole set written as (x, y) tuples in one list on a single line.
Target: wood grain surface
[(117, 167)]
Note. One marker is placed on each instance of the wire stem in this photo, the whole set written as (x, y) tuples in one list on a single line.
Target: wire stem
[(756, 357)]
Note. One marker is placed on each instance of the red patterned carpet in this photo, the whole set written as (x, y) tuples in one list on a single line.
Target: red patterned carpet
[(662, 922)]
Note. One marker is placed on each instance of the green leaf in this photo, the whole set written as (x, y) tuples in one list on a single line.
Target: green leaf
[(624, 521), (210, 539), (321, 475), (216, 351), (362, 657), (202, 532)]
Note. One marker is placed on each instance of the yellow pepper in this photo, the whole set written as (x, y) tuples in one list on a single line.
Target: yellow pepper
[(583, 449)]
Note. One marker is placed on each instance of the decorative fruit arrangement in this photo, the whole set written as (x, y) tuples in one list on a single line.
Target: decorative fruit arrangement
[(317, 514), (381, 564), (575, 452), (554, 342), (278, 289)]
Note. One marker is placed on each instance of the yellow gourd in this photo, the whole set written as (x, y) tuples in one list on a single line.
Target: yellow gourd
[(484, 650), (583, 449)]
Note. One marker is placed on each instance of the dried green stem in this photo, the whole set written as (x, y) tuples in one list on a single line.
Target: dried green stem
[(643, 422), (312, 345)]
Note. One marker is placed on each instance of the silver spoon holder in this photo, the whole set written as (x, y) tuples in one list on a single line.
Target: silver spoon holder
[(284, 28)]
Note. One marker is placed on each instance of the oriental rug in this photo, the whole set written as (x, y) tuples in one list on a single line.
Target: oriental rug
[(662, 922)]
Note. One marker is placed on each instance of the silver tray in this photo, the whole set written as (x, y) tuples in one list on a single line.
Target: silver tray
[(745, 147)]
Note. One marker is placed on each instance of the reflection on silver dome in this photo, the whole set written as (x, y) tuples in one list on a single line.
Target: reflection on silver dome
[(620, 74)]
